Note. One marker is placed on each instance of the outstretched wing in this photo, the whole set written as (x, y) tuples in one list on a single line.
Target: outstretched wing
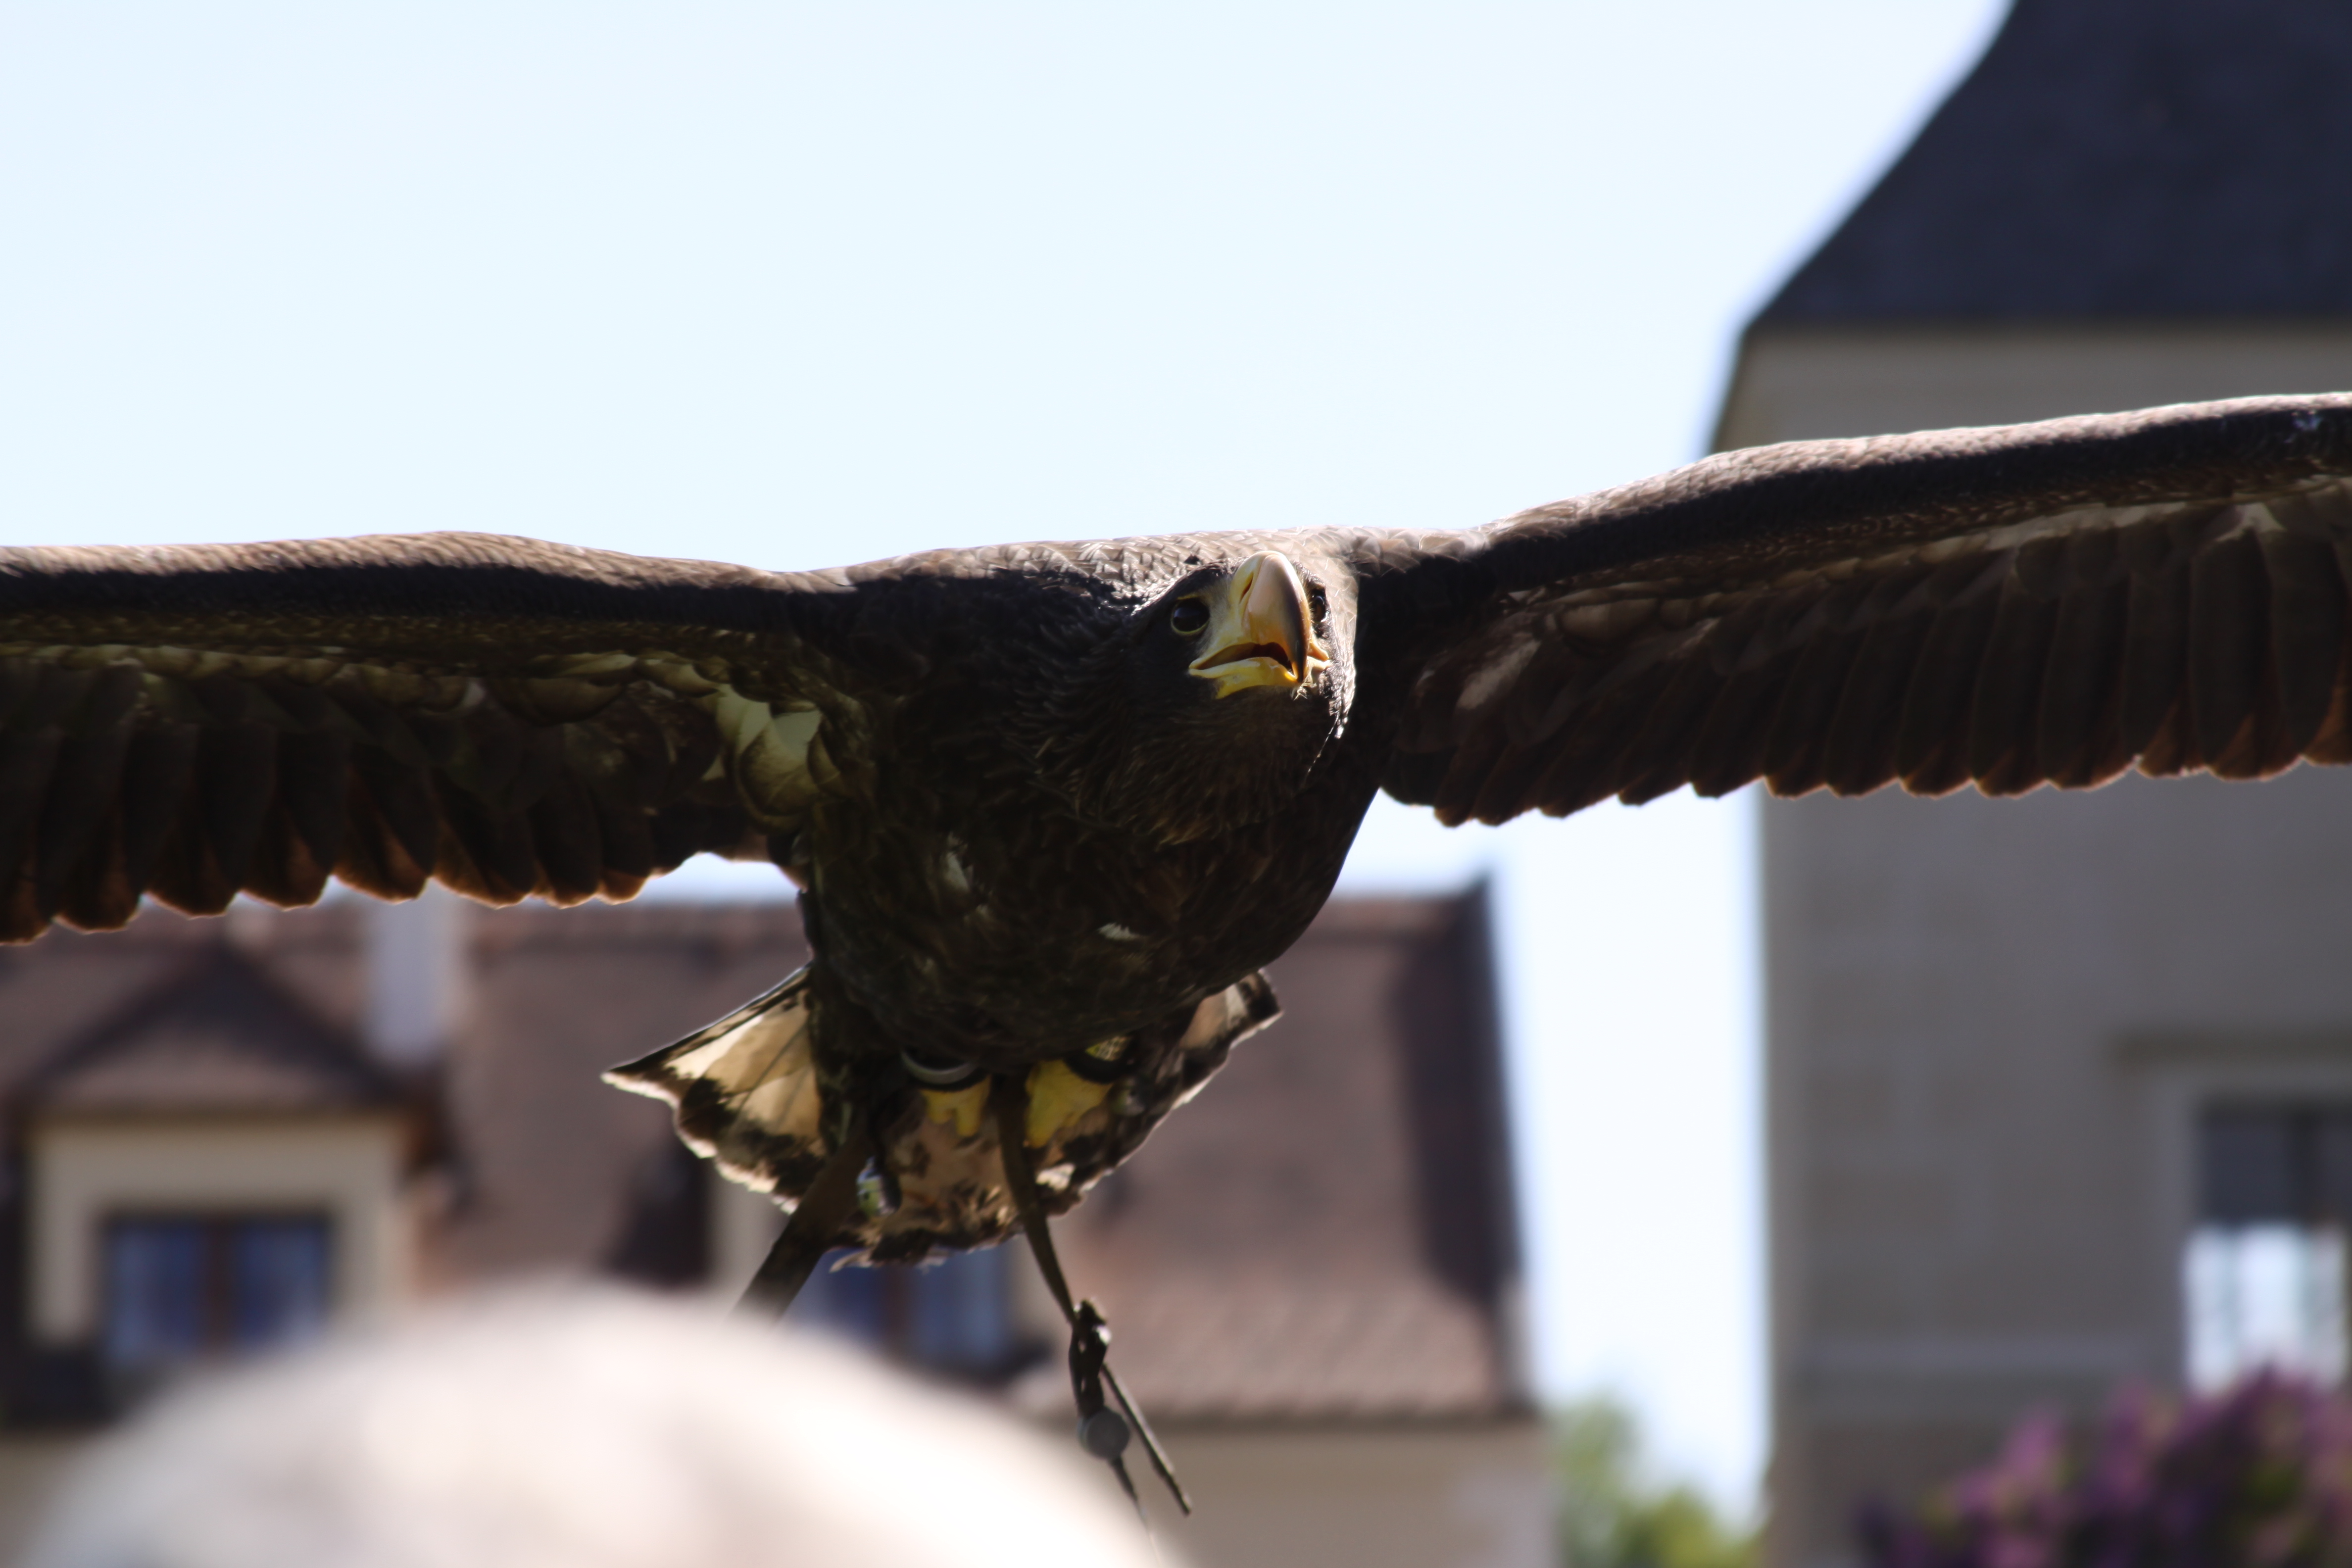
[(2036, 604), (508, 716)]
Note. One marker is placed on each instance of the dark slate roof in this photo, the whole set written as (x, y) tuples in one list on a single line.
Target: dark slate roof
[(2115, 159)]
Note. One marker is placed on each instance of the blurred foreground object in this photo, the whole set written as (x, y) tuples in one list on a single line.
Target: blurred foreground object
[(584, 1431), (2258, 1474)]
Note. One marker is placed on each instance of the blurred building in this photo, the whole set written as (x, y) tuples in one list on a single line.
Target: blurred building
[(225, 1135), (2060, 1089)]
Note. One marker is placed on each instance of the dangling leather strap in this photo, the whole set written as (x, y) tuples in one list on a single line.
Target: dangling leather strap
[(1102, 1431), (812, 1228)]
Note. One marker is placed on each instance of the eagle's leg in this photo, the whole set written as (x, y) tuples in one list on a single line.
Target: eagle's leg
[(1102, 1431)]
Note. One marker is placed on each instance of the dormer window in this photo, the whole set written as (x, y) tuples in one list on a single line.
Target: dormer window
[(182, 1288), (212, 1171)]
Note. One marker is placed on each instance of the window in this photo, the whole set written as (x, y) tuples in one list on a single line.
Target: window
[(180, 1287), (953, 1315), (2265, 1271)]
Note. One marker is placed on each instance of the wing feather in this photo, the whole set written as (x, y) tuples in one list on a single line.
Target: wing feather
[(2226, 632), (2002, 755), (1861, 743), (2308, 601), (512, 719), (2013, 608)]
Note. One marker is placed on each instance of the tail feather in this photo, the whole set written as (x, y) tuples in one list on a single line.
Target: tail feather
[(751, 1094), (745, 1090)]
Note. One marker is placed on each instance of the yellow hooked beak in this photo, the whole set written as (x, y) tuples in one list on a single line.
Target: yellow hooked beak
[(1259, 632)]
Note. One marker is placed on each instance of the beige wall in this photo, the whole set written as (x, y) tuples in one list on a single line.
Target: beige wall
[(350, 1168), (1437, 1495), (1990, 1022), (1792, 384)]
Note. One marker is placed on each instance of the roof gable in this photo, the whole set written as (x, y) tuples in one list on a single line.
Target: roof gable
[(2115, 159), (214, 1034)]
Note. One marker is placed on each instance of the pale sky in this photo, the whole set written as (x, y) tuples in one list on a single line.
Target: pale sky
[(797, 285)]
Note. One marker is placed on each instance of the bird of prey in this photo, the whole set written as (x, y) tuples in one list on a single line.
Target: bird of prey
[(1052, 807)]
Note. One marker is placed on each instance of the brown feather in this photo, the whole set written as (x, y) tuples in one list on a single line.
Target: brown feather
[(96, 895), (57, 693), (283, 871), (2081, 684), (19, 677), (570, 846), (373, 858), (1931, 744), (537, 768), (313, 787), (400, 798), (2001, 753), (609, 777), (1796, 752), (81, 797), (1455, 797), (184, 875), (2227, 630), (1545, 690), (154, 787), (78, 844), (1509, 785), (2307, 603), (1860, 755), (1729, 751), (1588, 764), (498, 864), (488, 756), (1749, 649), (380, 723), (2156, 653), (236, 779), (1412, 777), (1658, 757), (2172, 750)]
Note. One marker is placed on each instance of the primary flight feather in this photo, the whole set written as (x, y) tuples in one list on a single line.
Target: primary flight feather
[(1053, 807)]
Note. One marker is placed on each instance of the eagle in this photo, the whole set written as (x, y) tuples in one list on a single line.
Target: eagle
[(1053, 807)]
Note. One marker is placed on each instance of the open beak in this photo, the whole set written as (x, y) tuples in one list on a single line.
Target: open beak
[(1259, 633)]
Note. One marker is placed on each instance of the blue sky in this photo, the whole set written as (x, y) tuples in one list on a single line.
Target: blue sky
[(797, 285)]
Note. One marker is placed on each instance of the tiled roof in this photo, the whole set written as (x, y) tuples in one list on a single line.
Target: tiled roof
[(557, 1167), (1327, 1229), (2147, 159), (211, 1034), (1326, 1233)]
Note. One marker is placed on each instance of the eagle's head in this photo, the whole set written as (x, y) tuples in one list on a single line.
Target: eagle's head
[(1208, 703)]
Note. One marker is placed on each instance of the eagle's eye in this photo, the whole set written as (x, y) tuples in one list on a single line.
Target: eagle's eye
[(1190, 618)]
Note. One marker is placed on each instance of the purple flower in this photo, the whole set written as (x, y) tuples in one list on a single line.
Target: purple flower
[(2258, 1476)]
